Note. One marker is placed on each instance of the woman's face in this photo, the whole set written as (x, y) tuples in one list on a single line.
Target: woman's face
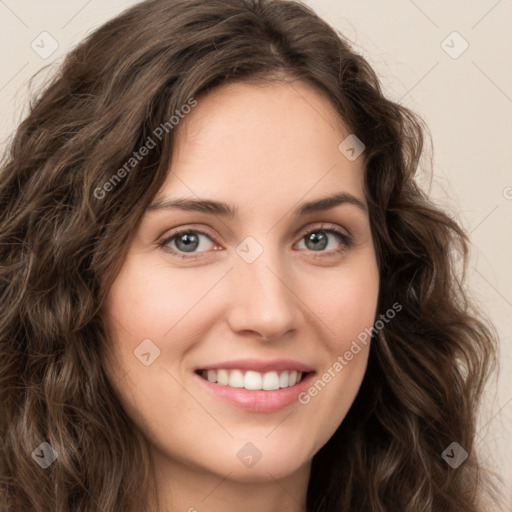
[(251, 299)]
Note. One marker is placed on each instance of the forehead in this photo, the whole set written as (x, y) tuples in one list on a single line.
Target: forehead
[(262, 144)]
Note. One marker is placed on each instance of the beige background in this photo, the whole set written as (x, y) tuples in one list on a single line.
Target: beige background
[(466, 102)]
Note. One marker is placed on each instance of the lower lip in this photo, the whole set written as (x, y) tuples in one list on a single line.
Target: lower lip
[(258, 401)]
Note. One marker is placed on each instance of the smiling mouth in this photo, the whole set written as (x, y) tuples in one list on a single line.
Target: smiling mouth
[(252, 380)]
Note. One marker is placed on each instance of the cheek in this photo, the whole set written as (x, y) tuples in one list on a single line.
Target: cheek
[(347, 306), (347, 303), (149, 301)]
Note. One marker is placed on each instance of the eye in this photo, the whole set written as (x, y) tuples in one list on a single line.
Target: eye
[(185, 242), (317, 239)]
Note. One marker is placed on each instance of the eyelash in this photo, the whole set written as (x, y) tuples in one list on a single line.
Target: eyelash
[(343, 237)]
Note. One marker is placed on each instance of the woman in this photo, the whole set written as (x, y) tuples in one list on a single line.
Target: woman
[(221, 285)]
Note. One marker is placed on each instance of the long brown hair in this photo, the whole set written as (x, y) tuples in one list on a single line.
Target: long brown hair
[(64, 233)]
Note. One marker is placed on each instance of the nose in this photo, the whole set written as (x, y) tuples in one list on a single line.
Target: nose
[(262, 298)]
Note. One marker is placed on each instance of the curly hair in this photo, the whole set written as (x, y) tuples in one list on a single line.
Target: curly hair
[(62, 243)]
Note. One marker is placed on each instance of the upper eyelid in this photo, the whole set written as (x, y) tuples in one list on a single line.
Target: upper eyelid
[(301, 232), (166, 237), (324, 226)]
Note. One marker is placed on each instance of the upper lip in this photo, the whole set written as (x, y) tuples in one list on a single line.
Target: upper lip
[(259, 365)]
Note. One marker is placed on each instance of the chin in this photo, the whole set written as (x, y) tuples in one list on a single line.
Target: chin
[(257, 461)]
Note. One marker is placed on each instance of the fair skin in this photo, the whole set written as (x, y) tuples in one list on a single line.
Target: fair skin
[(266, 150)]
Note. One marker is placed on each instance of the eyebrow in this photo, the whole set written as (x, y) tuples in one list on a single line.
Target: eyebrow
[(226, 210)]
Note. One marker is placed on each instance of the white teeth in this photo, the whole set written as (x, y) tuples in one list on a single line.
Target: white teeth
[(223, 377), (270, 381), (283, 379), (236, 379), (252, 380)]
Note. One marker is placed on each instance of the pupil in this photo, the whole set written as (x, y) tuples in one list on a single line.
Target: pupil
[(314, 237), (190, 240)]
